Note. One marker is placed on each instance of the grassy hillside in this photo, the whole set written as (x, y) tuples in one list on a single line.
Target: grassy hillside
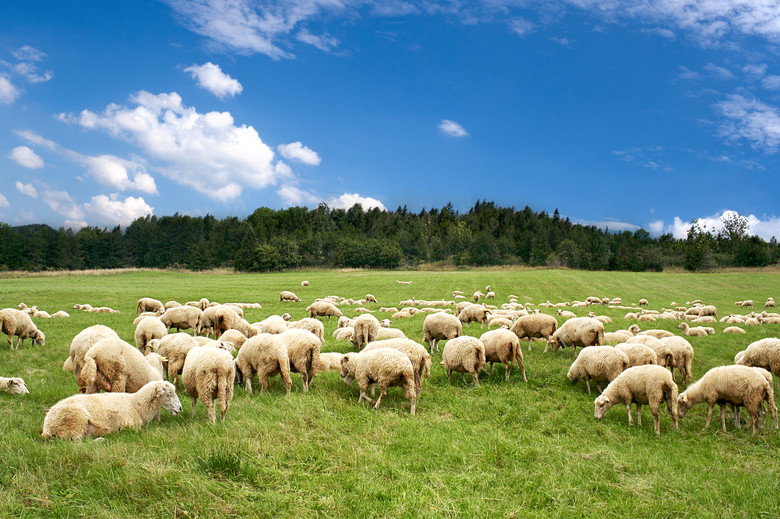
[(504, 449)]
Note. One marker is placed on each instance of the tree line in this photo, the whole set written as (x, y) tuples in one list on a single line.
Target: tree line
[(273, 240)]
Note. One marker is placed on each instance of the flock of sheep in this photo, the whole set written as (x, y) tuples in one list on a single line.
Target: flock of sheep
[(224, 349)]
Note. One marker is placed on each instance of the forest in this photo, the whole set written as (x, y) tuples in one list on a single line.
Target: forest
[(323, 237)]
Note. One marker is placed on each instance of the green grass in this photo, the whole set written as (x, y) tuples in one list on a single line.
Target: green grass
[(504, 449)]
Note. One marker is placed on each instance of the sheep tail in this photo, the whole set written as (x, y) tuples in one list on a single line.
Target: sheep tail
[(88, 374)]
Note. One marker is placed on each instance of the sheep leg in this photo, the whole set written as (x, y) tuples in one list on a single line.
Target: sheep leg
[(709, 416), (529, 345), (723, 416), (630, 418), (382, 393), (598, 386), (671, 405), (474, 374), (508, 368), (209, 403), (194, 401), (736, 417), (639, 414), (522, 370), (656, 418), (363, 395), (248, 381), (491, 368), (449, 375), (463, 377), (417, 382), (587, 383), (753, 410)]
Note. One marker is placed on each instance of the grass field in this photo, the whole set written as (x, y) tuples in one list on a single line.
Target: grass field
[(504, 449)]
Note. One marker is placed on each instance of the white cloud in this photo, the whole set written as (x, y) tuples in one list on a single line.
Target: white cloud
[(347, 200), (292, 195), (686, 73), (34, 138), (111, 210), (206, 152), (656, 228), (62, 203), (771, 82), (755, 69), (26, 67), (452, 129), (8, 92), (752, 120), (211, 77), (26, 157), (27, 53), (612, 225), (521, 26), (765, 227), (297, 151), (4, 201), (323, 42), (27, 189), (114, 173), (718, 72)]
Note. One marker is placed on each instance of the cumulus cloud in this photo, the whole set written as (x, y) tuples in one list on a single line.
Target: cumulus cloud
[(299, 152), (751, 120), (765, 227), (27, 189), (206, 152), (8, 92), (26, 157), (112, 211), (293, 195), (62, 203), (452, 129), (211, 77), (115, 173), (347, 200), (4, 201)]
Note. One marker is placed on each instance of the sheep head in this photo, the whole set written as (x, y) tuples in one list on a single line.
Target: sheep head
[(602, 405), (16, 386), (39, 338), (683, 405)]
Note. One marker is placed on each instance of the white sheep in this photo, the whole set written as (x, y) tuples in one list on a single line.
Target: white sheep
[(344, 334), (174, 347), (115, 366), (210, 317), (638, 354), (323, 309), (580, 331), (658, 334), (599, 363), (536, 326), (14, 385), (365, 330), (303, 350), (329, 361), (663, 351), (304, 283), (272, 324), (14, 322), (265, 355), (182, 318), (234, 337), (81, 344), (764, 353), (474, 313), (370, 298), (503, 346), (643, 385), (418, 355), (383, 366), (643, 302), (286, 295), (147, 304), (98, 415), (60, 313), (565, 314), (389, 333), (682, 351), (309, 324), (208, 375), (440, 326), (733, 329), (463, 355), (695, 331), (149, 328)]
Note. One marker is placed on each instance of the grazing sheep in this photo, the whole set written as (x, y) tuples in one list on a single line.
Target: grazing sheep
[(115, 366), (603, 318), (303, 350), (737, 385), (265, 355), (15, 386), (474, 313), (143, 315), (171, 304), (174, 347), (181, 318), (649, 385), (477, 295), (580, 331), (286, 295), (149, 328), (14, 322), (384, 366), (600, 363), (81, 344), (463, 354), (365, 330), (272, 324), (440, 326), (490, 295), (696, 331), (147, 304), (536, 326), (662, 351), (330, 361), (638, 354), (418, 355), (236, 338), (314, 326), (323, 309), (764, 353), (733, 329), (503, 346), (770, 303), (682, 351), (389, 333), (208, 375), (98, 415), (210, 317)]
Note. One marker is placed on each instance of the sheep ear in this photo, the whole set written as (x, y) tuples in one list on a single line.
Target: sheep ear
[(685, 398)]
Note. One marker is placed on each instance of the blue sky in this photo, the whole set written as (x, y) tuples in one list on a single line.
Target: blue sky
[(624, 114)]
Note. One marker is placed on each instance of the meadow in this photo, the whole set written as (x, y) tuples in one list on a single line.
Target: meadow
[(503, 449)]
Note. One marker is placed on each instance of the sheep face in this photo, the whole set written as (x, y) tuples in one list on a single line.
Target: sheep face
[(166, 394), (683, 405), (602, 406), (346, 376), (39, 338), (16, 386), (571, 376)]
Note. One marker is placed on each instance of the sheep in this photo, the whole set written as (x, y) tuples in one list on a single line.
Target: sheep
[(501, 322), (503, 346), (344, 334), (208, 374), (474, 313), (330, 361), (490, 295), (600, 363), (210, 316), (389, 333), (304, 283), (40, 314), (696, 331), (115, 366), (230, 321), (682, 351), (649, 385), (147, 304), (663, 351), (638, 354), (565, 314), (643, 302), (14, 322), (770, 303), (171, 304), (323, 309), (365, 330), (603, 318), (580, 331), (98, 415), (272, 324), (174, 347), (60, 313), (14, 386), (303, 350), (286, 295), (536, 326), (764, 353), (236, 338), (477, 295), (737, 385), (149, 328), (418, 355), (463, 354), (383, 366), (708, 310), (314, 326), (265, 355), (388, 309), (82, 342), (371, 299), (658, 334), (181, 318), (733, 329), (440, 326)]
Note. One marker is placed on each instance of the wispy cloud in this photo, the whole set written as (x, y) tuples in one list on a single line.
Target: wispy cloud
[(8, 92), (211, 78), (718, 72), (750, 119), (452, 129), (649, 158)]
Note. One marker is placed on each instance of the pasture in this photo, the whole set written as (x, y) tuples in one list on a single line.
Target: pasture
[(504, 449)]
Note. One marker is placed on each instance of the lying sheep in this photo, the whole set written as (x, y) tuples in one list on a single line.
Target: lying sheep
[(304, 283), (658, 334), (737, 385), (149, 328), (330, 361), (264, 355), (208, 375), (463, 355), (565, 314), (366, 329), (503, 346), (536, 326), (440, 326), (764, 353), (14, 386), (344, 334), (147, 304), (303, 350), (314, 326), (638, 354), (389, 333), (323, 309), (682, 351), (272, 324), (580, 331), (370, 298), (181, 318), (418, 355), (14, 322), (286, 295), (98, 415), (383, 366), (696, 331), (600, 363), (115, 366), (649, 385), (733, 329)]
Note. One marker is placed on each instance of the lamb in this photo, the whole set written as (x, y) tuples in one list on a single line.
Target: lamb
[(208, 374), (600, 363), (314, 326), (174, 347), (147, 304), (236, 338), (149, 328), (181, 318), (764, 353), (330, 361), (580, 331), (418, 355), (696, 331), (286, 295), (536, 326), (303, 350), (463, 354), (733, 329), (662, 351), (682, 351), (345, 321), (638, 354), (649, 385), (98, 415), (116, 366), (490, 295), (477, 295), (440, 326), (383, 366), (15, 386), (14, 322), (770, 303), (474, 313), (603, 318), (265, 355), (737, 385), (365, 330), (503, 346), (323, 309)]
